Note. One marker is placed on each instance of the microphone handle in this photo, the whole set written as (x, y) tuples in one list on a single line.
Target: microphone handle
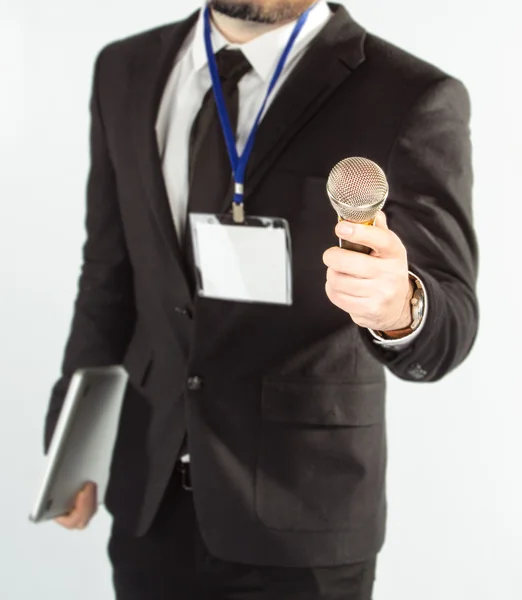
[(346, 245)]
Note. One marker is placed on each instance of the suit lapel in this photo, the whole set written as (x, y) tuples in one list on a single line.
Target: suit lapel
[(150, 72), (334, 54)]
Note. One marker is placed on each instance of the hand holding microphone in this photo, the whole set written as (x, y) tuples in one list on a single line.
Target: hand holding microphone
[(367, 274)]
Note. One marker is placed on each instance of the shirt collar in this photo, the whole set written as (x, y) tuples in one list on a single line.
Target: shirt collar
[(264, 51)]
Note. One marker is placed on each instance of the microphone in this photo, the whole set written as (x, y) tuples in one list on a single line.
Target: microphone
[(358, 189)]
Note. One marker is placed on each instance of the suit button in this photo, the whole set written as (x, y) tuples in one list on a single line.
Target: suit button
[(194, 383), (182, 311), (417, 372)]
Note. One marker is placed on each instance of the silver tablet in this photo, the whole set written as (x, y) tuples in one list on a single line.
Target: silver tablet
[(83, 442)]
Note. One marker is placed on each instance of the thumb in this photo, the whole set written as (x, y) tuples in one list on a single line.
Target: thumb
[(381, 221)]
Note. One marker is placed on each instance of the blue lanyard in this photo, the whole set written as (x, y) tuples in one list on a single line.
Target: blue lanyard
[(239, 163)]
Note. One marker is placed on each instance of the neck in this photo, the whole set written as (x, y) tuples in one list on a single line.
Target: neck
[(237, 31)]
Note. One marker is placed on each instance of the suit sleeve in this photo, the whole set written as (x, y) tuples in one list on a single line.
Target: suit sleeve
[(430, 209), (104, 311)]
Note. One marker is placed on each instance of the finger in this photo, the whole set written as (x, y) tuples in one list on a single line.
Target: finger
[(382, 241), (91, 498), (381, 220), (69, 521), (351, 286), (86, 504), (84, 508), (363, 311), (73, 519), (351, 263)]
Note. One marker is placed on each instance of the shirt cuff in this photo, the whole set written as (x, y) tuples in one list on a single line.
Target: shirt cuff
[(407, 339)]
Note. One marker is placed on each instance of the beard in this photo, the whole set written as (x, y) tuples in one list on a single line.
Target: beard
[(269, 12)]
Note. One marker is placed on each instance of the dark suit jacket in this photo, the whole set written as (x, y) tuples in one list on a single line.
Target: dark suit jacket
[(287, 429)]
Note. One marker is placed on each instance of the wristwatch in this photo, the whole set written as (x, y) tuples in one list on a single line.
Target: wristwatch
[(417, 312)]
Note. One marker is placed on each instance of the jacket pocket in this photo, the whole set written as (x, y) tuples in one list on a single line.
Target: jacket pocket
[(322, 455), (324, 403)]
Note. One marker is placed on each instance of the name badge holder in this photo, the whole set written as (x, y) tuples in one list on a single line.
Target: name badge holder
[(242, 258)]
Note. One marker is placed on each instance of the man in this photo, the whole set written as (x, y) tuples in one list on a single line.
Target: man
[(251, 455)]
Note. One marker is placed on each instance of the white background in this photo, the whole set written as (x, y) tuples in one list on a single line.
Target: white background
[(455, 489)]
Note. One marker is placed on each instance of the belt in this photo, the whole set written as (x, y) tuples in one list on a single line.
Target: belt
[(183, 466)]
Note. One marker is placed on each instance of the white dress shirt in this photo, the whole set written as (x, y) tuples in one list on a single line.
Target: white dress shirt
[(189, 82)]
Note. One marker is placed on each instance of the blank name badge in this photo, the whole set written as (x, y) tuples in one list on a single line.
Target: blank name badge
[(247, 262)]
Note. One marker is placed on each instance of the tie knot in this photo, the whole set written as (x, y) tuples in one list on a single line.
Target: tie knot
[(232, 65)]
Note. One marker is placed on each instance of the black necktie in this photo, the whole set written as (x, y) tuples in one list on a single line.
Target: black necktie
[(209, 166)]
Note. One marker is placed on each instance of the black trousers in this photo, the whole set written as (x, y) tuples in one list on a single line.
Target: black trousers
[(171, 562)]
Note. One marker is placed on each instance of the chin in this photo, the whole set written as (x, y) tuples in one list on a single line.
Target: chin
[(268, 12)]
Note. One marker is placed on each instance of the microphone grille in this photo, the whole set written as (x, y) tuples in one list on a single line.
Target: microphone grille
[(357, 188)]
